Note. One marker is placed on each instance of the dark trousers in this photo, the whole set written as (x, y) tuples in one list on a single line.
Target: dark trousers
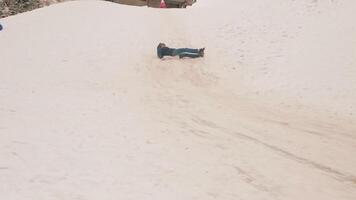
[(186, 52)]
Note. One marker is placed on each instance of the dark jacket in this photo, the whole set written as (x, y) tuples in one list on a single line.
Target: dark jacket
[(164, 51)]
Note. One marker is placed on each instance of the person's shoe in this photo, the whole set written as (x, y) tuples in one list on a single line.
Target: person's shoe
[(201, 52)]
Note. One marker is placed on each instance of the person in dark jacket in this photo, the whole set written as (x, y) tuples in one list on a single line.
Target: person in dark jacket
[(163, 50), (0, 27)]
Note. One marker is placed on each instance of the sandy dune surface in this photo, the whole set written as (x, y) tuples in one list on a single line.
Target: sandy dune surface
[(88, 111)]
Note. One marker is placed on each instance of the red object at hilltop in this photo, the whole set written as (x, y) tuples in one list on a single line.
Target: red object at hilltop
[(163, 4)]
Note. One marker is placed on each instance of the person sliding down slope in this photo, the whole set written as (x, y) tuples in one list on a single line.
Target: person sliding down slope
[(163, 50)]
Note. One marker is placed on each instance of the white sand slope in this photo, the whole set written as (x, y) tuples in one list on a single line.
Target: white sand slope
[(88, 112)]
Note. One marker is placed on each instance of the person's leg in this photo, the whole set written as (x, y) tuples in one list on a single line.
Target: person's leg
[(185, 50), (189, 55)]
